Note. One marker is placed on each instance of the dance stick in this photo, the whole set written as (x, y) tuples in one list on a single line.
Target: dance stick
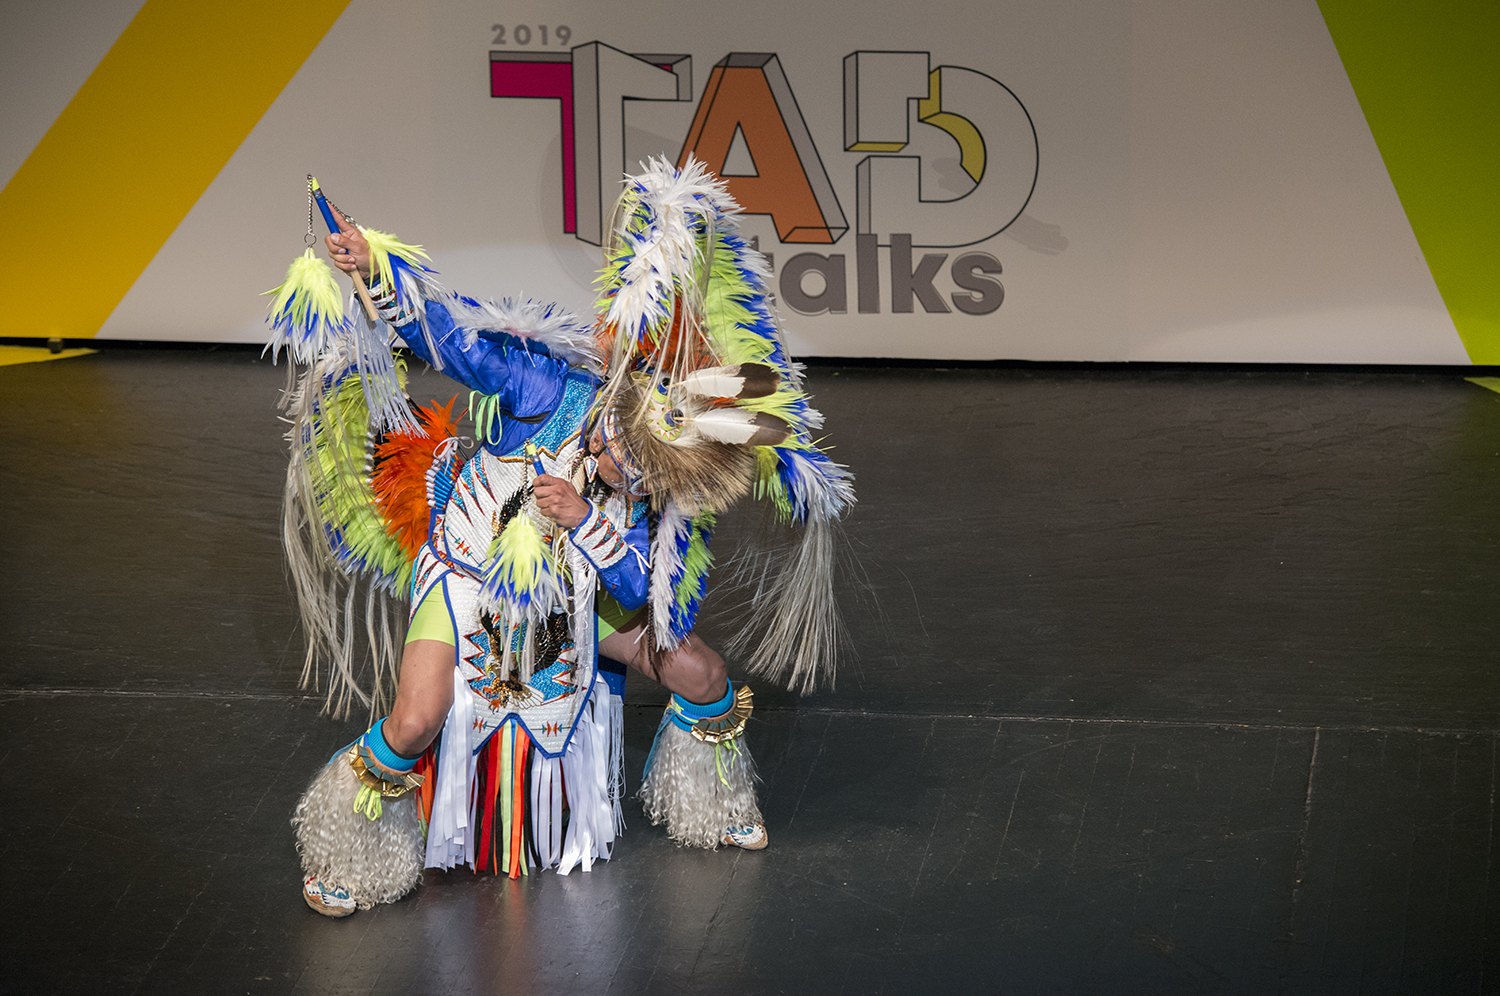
[(333, 229), (535, 458)]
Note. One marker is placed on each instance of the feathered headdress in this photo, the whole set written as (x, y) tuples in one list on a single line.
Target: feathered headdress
[(702, 404)]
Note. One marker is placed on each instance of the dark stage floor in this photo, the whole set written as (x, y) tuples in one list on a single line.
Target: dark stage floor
[(1167, 681)]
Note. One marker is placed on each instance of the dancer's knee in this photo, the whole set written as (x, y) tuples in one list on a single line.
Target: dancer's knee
[(699, 672), (410, 730)]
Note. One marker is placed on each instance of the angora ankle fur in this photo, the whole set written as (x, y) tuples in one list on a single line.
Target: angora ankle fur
[(378, 861), (683, 790)]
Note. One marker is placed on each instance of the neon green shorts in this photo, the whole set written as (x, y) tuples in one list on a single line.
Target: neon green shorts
[(432, 622)]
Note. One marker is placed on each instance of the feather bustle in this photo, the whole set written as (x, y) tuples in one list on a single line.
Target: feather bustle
[(403, 463), (335, 541)]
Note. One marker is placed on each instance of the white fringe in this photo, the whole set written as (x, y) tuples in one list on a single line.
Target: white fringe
[(683, 788), (378, 861), (326, 596), (450, 828), (617, 759), (794, 630), (384, 395), (666, 568), (592, 771), (417, 286), (546, 807)]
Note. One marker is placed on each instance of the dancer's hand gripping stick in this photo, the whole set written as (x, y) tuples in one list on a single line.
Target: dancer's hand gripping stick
[(334, 228)]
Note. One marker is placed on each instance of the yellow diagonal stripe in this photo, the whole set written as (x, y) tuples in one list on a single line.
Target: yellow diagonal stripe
[(137, 146), (11, 355), (1428, 80)]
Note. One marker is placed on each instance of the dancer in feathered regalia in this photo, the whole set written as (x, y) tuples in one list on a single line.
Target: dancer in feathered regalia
[(575, 537)]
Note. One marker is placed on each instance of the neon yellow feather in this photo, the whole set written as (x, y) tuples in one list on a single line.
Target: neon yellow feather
[(768, 483), (728, 319), (341, 485), (382, 246), (311, 292), (696, 561), (780, 403), (523, 559)]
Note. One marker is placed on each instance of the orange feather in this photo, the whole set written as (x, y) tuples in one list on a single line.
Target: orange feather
[(402, 460)]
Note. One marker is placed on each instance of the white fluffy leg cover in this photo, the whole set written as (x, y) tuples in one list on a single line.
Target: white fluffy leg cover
[(378, 861), (685, 790)]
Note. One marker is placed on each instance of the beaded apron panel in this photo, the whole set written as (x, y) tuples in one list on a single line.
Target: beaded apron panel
[(455, 556)]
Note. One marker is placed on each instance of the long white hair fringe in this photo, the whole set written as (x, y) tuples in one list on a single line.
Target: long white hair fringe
[(793, 634), (327, 595), (378, 861), (697, 795)]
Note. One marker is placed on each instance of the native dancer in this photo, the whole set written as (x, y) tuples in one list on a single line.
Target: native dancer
[(576, 536)]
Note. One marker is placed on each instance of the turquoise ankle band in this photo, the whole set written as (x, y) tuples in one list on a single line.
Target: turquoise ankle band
[(685, 713), (374, 740)]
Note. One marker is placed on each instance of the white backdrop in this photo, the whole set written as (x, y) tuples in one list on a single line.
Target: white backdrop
[(1158, 180)]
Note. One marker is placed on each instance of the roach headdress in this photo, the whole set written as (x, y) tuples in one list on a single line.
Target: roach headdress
[(704, 405)]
